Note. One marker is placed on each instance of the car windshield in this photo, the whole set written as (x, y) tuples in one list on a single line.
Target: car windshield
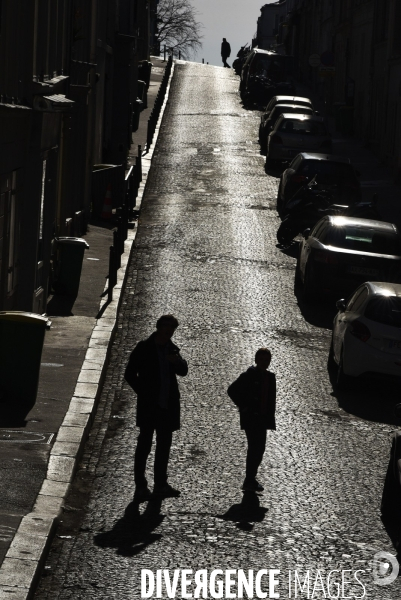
[(364, 239), (279, 110), (328, 172), (385, 309), (304, 127)]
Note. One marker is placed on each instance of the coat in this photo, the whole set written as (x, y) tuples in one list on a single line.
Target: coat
[(225, 49), (245, 393), (143, 375)]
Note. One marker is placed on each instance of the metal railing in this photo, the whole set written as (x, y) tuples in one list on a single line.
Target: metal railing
[(125, 215), (161, 94)]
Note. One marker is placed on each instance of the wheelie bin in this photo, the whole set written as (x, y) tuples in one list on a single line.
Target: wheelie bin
[(21, 344), (70, 256)]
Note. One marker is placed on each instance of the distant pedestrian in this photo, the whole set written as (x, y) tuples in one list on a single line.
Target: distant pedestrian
[(225, 52), (254, 392), (151, 372)]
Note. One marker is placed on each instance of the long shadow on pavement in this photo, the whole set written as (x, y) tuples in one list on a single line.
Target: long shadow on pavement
[(246, 513), (134, 531)]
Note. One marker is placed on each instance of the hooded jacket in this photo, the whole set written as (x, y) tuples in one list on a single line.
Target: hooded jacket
[(245, 392)]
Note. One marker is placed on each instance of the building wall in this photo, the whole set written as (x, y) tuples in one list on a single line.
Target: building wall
[(364, 37), (68, 75)]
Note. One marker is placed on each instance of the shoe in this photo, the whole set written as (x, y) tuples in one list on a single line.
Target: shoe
[(166, 490), (252, 486), (142, 493)]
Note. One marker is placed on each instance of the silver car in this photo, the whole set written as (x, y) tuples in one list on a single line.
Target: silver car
[(294, 133)]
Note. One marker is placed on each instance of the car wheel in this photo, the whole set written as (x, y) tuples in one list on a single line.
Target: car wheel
[(263, 143), (279, 202), (331, 363), (308, 290), (298, 278), (343, 381)]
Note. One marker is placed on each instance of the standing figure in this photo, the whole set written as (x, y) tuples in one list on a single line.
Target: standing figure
[(254, 392), (151, 372), (225, 52)]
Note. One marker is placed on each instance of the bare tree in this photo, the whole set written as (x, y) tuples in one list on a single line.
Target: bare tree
[(178, 28)]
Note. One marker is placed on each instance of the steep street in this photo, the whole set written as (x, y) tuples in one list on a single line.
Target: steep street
[(206, 251)]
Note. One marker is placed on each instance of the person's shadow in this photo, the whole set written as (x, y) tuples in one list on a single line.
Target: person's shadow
[(134, 531), (245, 514)]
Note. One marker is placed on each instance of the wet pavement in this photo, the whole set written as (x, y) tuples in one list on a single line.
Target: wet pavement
[(206, 251)]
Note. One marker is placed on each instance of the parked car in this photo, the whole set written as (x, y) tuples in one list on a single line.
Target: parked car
[(267, 124), (391, 497), (283, 99), (295, 133), (262, 72), (343, 252), (367, 333), (334, 173)]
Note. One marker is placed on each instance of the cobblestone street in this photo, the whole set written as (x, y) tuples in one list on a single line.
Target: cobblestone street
[(206, 252)]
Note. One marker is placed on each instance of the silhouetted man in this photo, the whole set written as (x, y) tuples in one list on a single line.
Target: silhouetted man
[(151, 372), (254, 392), (225, 52)]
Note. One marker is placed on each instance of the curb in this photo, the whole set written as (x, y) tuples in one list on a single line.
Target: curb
[(24, 561)]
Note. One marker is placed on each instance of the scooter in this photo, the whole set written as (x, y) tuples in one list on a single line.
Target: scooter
[(309, 205), (241, 58)]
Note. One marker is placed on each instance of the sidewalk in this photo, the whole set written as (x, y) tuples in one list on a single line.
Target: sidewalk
[(39, 450)]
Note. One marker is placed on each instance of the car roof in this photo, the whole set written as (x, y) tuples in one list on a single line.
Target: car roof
[(302, 117), (383, 288), (340, 221), (291, 99), (289, 105), (260, 51), (327, 157)]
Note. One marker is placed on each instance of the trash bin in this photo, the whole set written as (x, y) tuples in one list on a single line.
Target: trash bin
[(21, 343), (144, 70), (143, 94), (70, 255), (136, 114)]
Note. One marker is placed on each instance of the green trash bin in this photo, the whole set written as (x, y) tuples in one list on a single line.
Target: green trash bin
[(143, 94), (21, 344), (70, 256), (136, 113)]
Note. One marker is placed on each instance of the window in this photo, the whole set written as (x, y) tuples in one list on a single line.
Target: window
[(357, 300), (296, 163), (304, 127), (385, 310), (318, 229), (364, 239)]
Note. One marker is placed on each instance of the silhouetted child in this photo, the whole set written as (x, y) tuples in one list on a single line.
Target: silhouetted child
[(254, 392)]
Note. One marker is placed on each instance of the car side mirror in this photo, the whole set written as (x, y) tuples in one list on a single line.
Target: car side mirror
[(397, 410), (341, 305), (306, 233)]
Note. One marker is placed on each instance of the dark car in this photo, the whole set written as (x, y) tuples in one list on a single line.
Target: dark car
[(334, 173), (273, 68), (269, 119), (391, 498), (340, 253), (294, 133)]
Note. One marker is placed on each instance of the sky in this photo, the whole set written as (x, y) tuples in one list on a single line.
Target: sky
[(232, 19)]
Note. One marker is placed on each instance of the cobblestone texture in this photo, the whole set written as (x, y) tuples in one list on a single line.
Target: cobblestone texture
[(206, 251)]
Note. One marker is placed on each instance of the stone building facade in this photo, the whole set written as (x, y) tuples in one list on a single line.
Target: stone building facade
[(68, 77)]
